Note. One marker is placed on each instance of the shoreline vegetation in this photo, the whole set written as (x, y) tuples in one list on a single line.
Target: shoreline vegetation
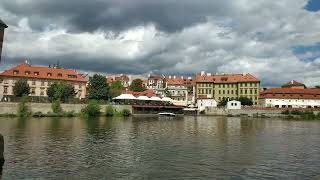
[(92, 109)]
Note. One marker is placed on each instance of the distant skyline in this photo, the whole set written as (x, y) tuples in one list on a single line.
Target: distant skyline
[(277, 41)]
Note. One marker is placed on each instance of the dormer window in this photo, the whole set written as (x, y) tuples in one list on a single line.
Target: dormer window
[(72, 76), (15, 72), (36, 73), (49, 74), (27, 72), (59, 75)]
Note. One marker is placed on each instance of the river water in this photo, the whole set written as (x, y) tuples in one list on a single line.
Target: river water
[(160, 148)]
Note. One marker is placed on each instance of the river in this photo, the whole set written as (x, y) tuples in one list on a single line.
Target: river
[(160, 148)]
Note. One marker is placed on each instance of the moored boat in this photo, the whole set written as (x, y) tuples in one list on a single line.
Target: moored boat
[(166, 114)]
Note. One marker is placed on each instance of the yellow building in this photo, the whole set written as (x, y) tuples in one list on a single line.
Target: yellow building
[(227, 86)]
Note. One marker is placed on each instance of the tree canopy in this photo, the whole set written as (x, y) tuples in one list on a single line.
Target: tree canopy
[(245, 101), (116, 88), (21, 88), (137, 85), (61, 91), (167, 93), (98, 88)]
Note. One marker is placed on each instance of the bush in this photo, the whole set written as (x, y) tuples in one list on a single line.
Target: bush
[(92, 109), (38, 114), (109, 111), (24, 110), (285, 112), (56, 107), (126, 112)]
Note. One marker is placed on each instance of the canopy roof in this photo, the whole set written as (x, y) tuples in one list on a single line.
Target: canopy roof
[(143, 98), (126, 96), (155, 98), (167, 99)]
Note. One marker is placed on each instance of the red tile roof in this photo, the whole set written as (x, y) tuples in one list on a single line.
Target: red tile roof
[(40, 72), (148, 93), (179, 81), (293, 83), (227, 78), (289, 93)]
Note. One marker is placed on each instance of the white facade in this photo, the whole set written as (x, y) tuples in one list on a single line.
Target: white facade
[(233, 105), (206, 103), (290, 103), (179, 93)]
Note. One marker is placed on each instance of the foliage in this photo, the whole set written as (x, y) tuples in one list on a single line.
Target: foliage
[(21, 88), (318, 86), (23, 109), (287, 112), (92, 109), (126, 112), (60, 91), (109, 111), (116, 88), (167, 93), (137, 85), (223, 102), (56, 106), (245, 101), (98, 88)]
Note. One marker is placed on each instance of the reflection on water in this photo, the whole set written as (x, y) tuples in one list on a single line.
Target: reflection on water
[(160, 147)]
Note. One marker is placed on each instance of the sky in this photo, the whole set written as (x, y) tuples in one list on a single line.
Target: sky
[(277, 41)]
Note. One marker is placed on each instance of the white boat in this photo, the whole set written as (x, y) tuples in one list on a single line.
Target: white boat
[(166, 114)]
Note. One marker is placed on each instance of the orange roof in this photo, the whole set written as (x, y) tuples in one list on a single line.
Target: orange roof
[(40, 72), (226, 78), (148, 93), (122, 78), (174, 80), (289, 93), (293, 83)]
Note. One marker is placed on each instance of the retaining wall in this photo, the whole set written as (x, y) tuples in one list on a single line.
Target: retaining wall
[(12, 108)]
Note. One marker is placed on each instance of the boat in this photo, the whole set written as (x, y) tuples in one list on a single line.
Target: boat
[(166, 114)]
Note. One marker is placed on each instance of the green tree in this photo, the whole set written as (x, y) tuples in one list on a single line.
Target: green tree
[(318, 86), (60, 91), (116, 88), (92, 109), (21, 88), (245, 101), (223, 102), (98, 88), (167, 93), (137, 85)]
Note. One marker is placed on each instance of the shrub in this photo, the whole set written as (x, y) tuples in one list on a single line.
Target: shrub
[(56, 107), (92, 109), (285, 112), (38, 114), (296, 112), (24, 110), (126, 112), (109, 111)]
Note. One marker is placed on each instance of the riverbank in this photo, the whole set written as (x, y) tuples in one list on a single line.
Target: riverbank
[(11, 109)]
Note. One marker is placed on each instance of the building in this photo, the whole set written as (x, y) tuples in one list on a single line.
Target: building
[(3, 26), (227, 86), (157, 84), (233, 104), (40, 78), (180, 89), (206, 103), (124, 79), (295, 96)]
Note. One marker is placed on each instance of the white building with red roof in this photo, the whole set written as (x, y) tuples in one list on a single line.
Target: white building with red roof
[(40, 78), (292, 95)]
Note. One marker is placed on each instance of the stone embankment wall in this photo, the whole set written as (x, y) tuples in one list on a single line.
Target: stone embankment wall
[(248, 112), (12, 108)]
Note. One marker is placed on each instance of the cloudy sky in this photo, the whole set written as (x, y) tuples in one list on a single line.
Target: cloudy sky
[(275, 40)]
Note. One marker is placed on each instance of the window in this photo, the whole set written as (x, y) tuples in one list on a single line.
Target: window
[(33, 82), (5, 81), (15, 72), (36, 73), (80, 86), (33, 91), (59, 75), (27, 72), (5, 89), (42, 83), (250, 91), (49, 74)]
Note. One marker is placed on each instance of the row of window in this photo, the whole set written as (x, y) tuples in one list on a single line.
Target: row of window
[(33, 91), (230, 85), (16, 72), (242, 91)]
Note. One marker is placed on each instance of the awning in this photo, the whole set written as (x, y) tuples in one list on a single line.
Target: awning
[(125, 97)]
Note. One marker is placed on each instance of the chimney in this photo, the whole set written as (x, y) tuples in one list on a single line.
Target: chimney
[(2, 27), (181, 77), (169, 77), (202, 73), (174, 77), (208, 74)]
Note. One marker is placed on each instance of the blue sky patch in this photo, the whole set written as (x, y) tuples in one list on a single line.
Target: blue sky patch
[(308, 53), (313, 5)]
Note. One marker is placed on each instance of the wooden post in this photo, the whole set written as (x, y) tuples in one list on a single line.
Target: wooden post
[(2, 27)]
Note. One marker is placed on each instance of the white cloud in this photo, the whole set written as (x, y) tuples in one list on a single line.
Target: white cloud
[(253, 36)]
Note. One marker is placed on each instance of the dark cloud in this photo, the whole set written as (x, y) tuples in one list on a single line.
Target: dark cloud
[(117, 15)]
